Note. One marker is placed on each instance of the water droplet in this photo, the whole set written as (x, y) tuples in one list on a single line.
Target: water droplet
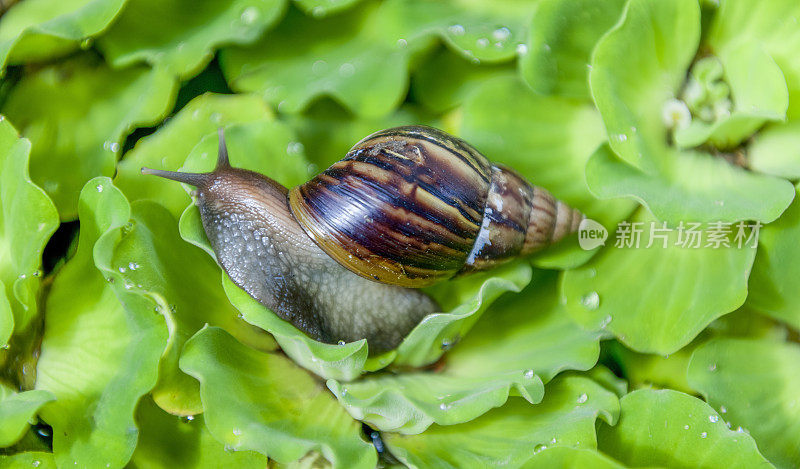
[(713, 418), (712, 367), (686, 427), (582, 398), (444, 406), (605, 322), (723, 409), (190, 417), (703, 435), (482, 42), (237, 432), (240, 316), (5, 347), (86, 43), (215, 117), (128, 286), (229, 448), (341, 342), (250, 15), (402, 43), (113, 147), (122, 270), (99, 188), (319, 67), (546, 47), (133, 265), (294, 148), (591, 300), (553, 441), (456, 30), (318, 12), (539, 448), (347, 70), (37, 273), (36, 463), (501, 34), (22, 276), (528, 374)]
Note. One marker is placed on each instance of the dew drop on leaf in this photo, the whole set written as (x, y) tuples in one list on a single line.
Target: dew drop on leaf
[(528, 374), (250, 15), (591, 300), (501, 34), (703, 435), (456, 30), (582, 398), (713, 418)]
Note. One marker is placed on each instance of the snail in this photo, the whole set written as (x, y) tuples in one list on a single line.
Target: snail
[(340, 256)]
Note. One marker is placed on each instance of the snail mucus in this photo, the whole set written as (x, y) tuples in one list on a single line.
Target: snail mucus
[(341, 256)]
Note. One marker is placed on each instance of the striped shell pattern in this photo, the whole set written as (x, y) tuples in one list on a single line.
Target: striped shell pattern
[(413, 205)]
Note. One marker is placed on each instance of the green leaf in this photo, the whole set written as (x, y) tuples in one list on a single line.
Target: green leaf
[(563, 36), (565, 457), (27, 460), (696, 187), (631, 86), (181, 36), (759, 92), (484, 32), (776, 150), (669, 371), (262, 402), (464, 301), (169, 441), (27, 220), (671, 429), (77, 114), (16, 410), (361, 62), (169, 146), (102, 343), (773, 283), (322, 8), (772, 25), (510, 435), (442, 92), (661, 311), (732, 376), (44, 29), (546, 139), (181, 279), (518, 344)]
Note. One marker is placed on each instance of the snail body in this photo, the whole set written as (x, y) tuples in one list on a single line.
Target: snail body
[(406, 207)]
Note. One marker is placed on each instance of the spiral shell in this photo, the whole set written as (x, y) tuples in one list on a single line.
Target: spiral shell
[(413, 205)]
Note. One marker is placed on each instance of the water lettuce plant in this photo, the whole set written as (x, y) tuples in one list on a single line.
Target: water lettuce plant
[(672, 341)]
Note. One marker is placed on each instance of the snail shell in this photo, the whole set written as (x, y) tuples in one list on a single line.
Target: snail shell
[(413, 205), (405, 208)]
